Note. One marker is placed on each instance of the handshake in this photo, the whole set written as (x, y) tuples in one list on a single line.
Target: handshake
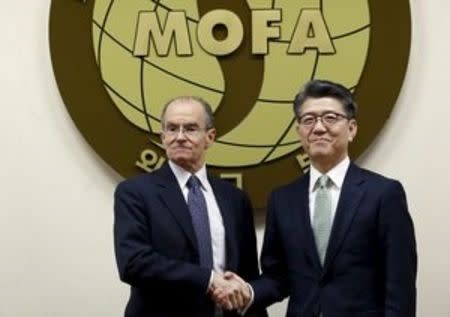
[(230, 292)]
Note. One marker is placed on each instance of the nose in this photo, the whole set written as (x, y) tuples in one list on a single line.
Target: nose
[(180, 134), (318, 125)]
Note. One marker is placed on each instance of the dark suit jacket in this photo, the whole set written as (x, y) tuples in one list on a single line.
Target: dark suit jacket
[(156, 248), (370, 265)]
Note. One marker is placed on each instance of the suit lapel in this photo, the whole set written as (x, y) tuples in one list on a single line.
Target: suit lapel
[(229, 222), (301, 203), (349, 200), (171, 195)]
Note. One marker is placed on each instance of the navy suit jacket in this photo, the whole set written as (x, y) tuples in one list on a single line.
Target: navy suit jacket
[(370, 265), (156, 248)]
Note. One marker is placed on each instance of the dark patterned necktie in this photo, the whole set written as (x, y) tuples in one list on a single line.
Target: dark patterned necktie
[(200, 221)]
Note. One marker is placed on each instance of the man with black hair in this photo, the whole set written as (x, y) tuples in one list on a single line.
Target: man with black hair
[(339, 240)]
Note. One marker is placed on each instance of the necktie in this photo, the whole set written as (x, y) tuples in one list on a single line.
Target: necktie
[(200, 221), (322, 216)]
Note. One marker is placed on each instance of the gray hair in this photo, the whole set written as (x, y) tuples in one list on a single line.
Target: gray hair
[(206, 107)]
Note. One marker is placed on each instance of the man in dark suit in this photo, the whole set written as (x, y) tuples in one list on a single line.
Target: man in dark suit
[(178, 228), (339, 241)]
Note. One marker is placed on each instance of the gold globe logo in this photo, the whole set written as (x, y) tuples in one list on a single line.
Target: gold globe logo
[(118, 61)]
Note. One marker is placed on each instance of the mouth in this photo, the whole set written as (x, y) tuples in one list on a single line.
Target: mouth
[(320, 141), (181, 148)]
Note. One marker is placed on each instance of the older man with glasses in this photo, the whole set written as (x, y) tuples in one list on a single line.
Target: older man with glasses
[(177, 229)]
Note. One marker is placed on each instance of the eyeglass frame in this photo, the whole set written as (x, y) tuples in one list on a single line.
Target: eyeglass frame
[(316, 118), (190, 130)]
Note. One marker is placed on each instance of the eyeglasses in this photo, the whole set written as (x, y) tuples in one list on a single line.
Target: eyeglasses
[(189, 131), (328, 119)]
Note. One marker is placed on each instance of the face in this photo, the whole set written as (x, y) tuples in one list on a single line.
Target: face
[(185, 137), (325, 144)]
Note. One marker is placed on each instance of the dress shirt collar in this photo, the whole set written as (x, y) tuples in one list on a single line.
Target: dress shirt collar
[(182, 175), (336, 174)]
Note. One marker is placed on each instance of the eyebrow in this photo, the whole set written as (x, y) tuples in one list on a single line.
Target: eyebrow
[(321, 113), (188, 124)]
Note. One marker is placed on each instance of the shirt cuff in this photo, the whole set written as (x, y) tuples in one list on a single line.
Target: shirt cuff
[(211, 278), (244, 310)]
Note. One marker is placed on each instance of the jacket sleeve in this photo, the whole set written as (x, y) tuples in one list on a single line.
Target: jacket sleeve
[(398, 243), (138, 262), (272, 285), (249, 269)]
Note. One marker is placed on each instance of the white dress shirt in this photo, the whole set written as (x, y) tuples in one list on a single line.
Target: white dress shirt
[(337, 175), (214, 215)]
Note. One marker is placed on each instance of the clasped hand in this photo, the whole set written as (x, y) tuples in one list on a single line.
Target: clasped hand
[(229, 291)]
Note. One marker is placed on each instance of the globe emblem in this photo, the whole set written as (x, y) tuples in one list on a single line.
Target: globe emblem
[(265, 132)]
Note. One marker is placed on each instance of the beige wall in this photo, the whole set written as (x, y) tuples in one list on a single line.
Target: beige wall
[(55, 228)]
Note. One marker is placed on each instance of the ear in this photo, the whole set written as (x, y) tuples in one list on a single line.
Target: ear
[(352, 129), (299, 133), (210, 137), (162, 136)]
